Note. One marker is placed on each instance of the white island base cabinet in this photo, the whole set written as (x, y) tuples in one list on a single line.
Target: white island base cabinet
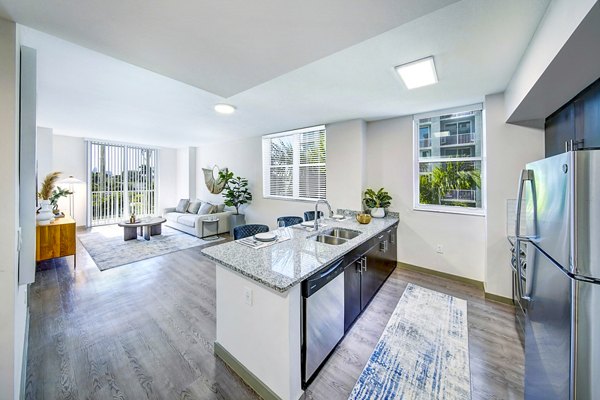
[(258, 334)]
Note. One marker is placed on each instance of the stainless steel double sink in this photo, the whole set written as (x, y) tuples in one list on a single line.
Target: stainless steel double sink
[(335, 236)]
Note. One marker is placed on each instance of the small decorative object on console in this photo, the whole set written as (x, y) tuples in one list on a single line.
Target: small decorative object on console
[(363, 218), (45, 194)]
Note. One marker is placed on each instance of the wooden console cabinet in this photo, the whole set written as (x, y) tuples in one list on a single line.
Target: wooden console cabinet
[(56, 240)]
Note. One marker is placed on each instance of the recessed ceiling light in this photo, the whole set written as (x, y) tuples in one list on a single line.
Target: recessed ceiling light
[(223, 108), (418, 73)]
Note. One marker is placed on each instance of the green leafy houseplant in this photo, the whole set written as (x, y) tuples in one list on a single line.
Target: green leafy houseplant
[(236, 192), (379, 199), (57, 193)]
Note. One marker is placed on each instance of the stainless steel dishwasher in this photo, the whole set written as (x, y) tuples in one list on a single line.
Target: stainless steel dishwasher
[(323, 317)]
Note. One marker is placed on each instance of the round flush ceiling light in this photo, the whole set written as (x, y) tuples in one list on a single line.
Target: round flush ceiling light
[(223, 108)]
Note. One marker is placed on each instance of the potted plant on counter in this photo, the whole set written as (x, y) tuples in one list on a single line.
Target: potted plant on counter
[(236, 194), (377, 202)]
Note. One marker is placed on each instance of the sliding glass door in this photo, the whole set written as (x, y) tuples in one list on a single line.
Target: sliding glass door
[(121, 181)]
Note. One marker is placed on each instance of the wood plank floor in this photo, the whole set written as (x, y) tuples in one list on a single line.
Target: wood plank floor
[(146, 330)]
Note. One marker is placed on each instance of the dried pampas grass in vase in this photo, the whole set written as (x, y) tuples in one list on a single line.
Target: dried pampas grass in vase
[(48, 184)]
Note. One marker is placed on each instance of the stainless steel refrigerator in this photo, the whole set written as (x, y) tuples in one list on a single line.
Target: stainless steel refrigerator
[(558, 295)]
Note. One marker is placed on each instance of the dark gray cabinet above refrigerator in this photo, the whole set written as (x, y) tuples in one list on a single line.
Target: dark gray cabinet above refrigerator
[(577, 121)]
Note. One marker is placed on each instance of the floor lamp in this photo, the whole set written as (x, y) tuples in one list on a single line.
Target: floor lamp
[(71, 181)]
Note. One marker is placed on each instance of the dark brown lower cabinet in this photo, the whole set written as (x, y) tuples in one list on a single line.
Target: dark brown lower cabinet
[(352, 307), (366, 270)]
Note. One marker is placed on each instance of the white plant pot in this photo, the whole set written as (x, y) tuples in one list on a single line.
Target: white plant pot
[(377, 212), (45, 216)]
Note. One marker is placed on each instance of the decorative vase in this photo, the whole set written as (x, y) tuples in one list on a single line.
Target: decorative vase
[(236, 220), (377, 212), (45, 215)]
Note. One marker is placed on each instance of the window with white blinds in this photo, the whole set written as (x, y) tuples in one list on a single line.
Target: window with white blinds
[(294, 164), (122, 179)]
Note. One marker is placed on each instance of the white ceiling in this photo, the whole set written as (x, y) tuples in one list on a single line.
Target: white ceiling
[(224, 47), (476, 44)]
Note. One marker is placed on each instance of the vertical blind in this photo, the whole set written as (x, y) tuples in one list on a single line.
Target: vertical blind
[(121, 180), (294, 164)]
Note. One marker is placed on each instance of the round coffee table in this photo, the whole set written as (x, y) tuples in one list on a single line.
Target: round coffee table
[(146, 228)]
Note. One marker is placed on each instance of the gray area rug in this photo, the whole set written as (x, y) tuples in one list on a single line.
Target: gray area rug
[(107, 248), (423, 352)]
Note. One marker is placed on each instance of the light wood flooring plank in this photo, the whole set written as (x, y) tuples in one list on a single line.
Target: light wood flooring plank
[(146, 330)]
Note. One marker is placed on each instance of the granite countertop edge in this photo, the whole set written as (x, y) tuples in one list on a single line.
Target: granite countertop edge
[(390, 219)]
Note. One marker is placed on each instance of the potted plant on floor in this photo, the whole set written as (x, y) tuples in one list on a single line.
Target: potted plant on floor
[(236, 194), (377, 202)]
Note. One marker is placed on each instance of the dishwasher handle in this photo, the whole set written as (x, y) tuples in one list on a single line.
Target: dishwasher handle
[(322, 278)]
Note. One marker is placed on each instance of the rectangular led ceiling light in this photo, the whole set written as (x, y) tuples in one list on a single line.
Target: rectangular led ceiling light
[(418, 73)]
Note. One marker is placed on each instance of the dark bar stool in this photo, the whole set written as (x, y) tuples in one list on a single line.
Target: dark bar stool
[(242, 231), (289, 220), (310, 215)]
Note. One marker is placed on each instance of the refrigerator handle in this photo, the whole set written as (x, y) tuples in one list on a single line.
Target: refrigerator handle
[(526, 175)]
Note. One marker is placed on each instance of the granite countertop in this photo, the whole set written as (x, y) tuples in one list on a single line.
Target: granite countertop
[(285, 264)]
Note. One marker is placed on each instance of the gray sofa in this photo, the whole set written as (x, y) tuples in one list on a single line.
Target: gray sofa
[(192, 223)]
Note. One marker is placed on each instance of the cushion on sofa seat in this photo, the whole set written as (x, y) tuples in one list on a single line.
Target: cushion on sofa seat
[(205, 208), (172, 216), (218, 208), (182, 205), (194, 206), (187, 220)]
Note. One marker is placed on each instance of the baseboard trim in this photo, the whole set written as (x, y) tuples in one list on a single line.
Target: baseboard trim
[(252, 380), (478, 284), (498, 299), (428, 271)]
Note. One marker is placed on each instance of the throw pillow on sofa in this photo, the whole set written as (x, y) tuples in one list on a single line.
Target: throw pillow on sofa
[(217, 208), (205, 208), (194, 206), (182, 205)]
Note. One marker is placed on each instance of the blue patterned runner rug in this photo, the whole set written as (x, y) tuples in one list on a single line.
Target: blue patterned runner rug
[(423, 352)]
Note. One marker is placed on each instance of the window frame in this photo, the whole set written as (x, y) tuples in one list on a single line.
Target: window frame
[(296, 165), (438, 208)]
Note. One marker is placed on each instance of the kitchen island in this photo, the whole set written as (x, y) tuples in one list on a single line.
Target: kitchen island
[(259, 301)]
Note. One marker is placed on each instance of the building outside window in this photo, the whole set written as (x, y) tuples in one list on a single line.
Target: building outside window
[(449, 160), (294, 164)]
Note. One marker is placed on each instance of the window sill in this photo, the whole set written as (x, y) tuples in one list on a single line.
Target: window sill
[(290, 199), (476, 212)]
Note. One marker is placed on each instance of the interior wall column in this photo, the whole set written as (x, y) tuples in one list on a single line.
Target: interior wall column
[(192, 155)]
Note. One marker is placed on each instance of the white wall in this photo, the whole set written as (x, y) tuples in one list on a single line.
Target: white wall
[(68, 157), (390, 165), (244, 158), (264, 336), (509, 148), (183, 173), (167, 172), (556, 27), (346, 162), (345, 172), (13, 298), (44, 146)]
